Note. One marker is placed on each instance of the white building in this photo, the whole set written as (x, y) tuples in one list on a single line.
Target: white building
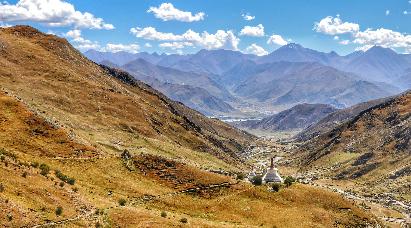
[(272, 175)]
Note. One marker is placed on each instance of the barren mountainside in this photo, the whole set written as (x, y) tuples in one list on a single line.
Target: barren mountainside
[(83, 97), (373, 147)]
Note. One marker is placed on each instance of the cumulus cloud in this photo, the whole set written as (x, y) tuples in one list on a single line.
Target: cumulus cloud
[(56, 13), (81, 43), (167, 12), (257, 31), (247, 17), (221, 39), (334, 26), (383, 37), (370, 37), (276, 39), (256, 50), (387, 12)]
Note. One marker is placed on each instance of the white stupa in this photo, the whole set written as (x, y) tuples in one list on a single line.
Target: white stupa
[(272, 175)]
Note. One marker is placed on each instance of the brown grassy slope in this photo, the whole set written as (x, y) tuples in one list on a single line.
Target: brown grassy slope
[(51, 76), (374, 147), (100, 182)]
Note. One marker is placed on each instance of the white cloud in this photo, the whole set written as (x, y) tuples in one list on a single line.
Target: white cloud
[(131, 48), (79, 42), (148, 45), (83, 44), (387, 12), (256, 50), (406, 12), (247, 17), (370, 37), (344, 42), (334, 26), (276, 39), (336, 37), (175, 45), (220, 40), (364, 48), (167, 12), (257, 31), (56, 13), (383, 37)]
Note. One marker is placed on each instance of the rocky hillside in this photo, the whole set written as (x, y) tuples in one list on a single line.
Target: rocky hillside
[(297, 117), (373, 148)]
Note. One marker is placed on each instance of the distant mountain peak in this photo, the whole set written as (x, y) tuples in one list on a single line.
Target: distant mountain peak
[(293, 46), (380, 49)]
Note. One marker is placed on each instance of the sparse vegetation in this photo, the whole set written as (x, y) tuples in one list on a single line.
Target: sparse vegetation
[(59, 211), (257, 180), (288, 181), (44, 169), (122, 202), (6, 153), (64, 178)]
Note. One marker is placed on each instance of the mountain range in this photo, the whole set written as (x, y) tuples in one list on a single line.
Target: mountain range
[(291, 75)]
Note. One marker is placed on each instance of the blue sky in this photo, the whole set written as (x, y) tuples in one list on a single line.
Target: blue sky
[(351, 24)]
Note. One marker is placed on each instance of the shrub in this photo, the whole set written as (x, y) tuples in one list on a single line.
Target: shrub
[(34, 164), (9, 217), (122, 202), (257, 180), (2, 158), (288, 181), (1, 187), (276, 187), (24, 174), (163, 214), (45, 169), (240, 176), (65, 178), (59, 211), (61, 184), (183, 220)]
